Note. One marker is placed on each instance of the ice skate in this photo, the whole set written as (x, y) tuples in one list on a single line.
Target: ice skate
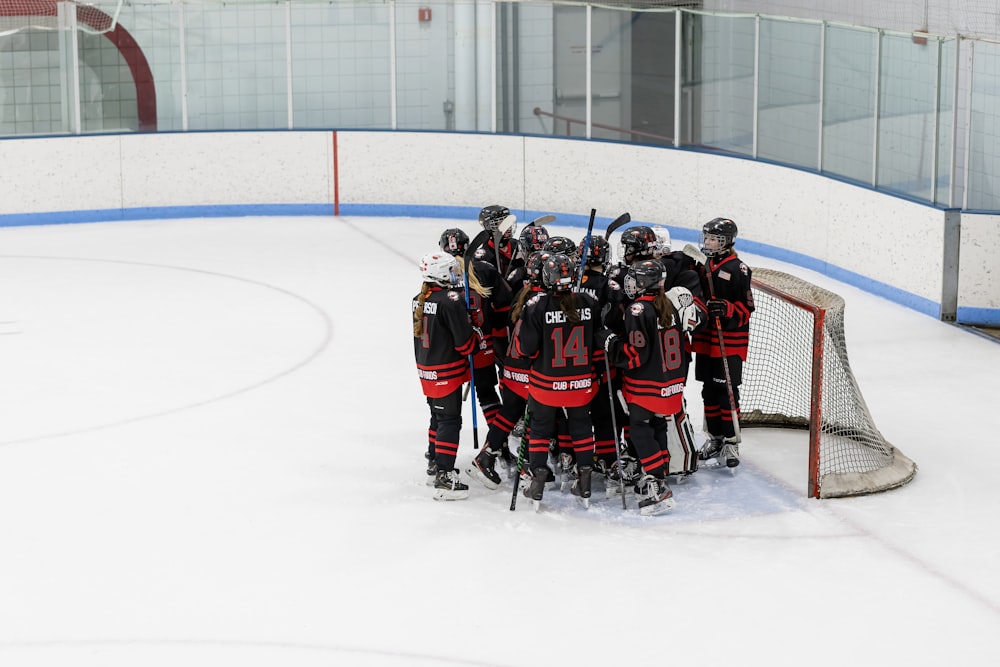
[(432, 469), (730, 454), (711, 448), (447, 486), (654, 495), (483, 467), (567, 471), (581, 485), (628, 476), (536, 489)]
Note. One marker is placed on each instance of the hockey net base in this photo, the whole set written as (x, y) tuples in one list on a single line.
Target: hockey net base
[(797, 375)]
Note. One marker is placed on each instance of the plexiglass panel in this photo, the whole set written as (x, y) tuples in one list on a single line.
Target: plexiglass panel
[(984, 138), (946, 123), (849, 103), (235, 59), (788, 97), (907, 104), (720, 83), (340, 65)]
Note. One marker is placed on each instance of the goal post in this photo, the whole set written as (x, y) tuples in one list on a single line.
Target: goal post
[(797, 375)]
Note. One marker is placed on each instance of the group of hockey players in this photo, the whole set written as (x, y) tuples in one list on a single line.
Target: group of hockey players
[(585, 360)]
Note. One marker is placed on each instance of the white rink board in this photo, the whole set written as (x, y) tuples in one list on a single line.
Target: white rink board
[(797, 214)]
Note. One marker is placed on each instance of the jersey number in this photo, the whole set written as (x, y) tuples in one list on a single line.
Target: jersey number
[(673, 354), (573, 348)]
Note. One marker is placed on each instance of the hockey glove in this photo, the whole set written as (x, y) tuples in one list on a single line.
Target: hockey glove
[(720, 308), (482, 339), (605, 338)]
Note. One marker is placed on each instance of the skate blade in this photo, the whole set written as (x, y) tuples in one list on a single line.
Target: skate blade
[(537, 505), (659, 508), (614, 491), (474, 472), (443, 494)]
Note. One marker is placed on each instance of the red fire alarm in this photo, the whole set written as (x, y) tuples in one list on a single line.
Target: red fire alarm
[(424, 14)]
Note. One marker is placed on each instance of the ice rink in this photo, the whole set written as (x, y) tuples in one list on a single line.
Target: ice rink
[(211, 453)]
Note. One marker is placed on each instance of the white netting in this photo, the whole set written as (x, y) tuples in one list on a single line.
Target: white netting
[(32, 15), (849, 454)]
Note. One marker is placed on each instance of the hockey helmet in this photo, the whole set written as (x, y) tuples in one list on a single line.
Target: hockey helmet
[(599, 252), (644, 277), (454, 242), (441, 268), (637, 243), (718, 236), (558, 274), (533, 237)]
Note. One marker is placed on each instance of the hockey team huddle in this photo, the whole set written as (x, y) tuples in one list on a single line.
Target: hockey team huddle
[(585, 360)]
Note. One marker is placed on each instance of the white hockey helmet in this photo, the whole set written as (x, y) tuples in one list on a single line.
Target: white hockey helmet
[(441, 268), (662, 246), (683, 302)]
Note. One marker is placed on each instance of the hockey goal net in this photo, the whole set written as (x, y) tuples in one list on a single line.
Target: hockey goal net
[(797, 376), (21, 16)]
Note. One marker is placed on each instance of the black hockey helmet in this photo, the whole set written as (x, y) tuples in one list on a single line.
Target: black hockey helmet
[(644, 277), (599, 251), (718, 236), (454, 242), (558, 274), (637, 243), (562, 245), (533, 237), (491, 217), (533, 266)]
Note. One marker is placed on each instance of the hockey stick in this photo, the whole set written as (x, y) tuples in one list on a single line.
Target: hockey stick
[(699, 257), (585, 250), (522, 451), (543, 220), (621, 220), (474, 245), (505, 226), (614, 425)]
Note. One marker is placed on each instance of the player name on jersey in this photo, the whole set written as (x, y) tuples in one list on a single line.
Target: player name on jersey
[(558, 317)]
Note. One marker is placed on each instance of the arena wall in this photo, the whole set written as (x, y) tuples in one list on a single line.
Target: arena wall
[(887, 245)]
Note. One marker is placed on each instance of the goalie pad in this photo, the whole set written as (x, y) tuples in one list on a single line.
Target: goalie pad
[(687, 312), (681, 445)]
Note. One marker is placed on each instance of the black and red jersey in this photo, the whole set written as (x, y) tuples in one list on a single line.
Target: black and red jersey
[(442, 352), (561, 351), (490, 313), (517, 369), (731, 280), (487, 252), (654, 359)]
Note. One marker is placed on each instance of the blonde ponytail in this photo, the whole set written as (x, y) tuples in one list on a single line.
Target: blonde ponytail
[(418, 311)]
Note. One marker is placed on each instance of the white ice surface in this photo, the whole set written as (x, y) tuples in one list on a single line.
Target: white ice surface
[(211, 454)]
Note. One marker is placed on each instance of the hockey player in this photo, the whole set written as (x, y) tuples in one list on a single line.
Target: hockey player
[(489, 305), (513, 385), (532, 238), (637, 244), (725, 280), (655, 360), (595, 284), (556, 331), (443, 339), (493, 218)]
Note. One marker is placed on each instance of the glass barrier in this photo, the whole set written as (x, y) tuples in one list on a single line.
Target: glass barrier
[(891, 111)]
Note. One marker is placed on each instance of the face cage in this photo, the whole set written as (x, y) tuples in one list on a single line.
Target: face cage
[(720, 240), (624, 252)]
